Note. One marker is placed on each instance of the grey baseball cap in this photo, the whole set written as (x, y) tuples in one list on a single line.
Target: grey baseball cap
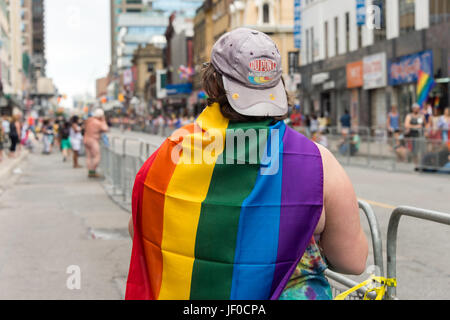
[(250, 65)]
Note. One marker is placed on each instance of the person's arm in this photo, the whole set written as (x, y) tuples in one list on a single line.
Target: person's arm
[(343, 240), (407, 123), (130, 227), (104, 127)]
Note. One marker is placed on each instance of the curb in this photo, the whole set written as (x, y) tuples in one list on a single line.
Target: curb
[(6, 170)]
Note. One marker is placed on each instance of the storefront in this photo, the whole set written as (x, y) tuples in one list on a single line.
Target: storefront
[(355, 82), (375, 81)]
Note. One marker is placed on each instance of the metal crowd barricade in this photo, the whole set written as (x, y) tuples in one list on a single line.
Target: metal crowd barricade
[(120, 162), (377, 246), (429, 215)]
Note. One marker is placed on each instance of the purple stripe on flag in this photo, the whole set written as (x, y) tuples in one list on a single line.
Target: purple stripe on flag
[(301, 205)]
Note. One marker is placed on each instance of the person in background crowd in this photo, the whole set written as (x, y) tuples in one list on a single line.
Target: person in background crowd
[(346, 122), (393, 123), (314, 124), (94, 128), (48, 137), (15, 130), (401, 151), (427, 112), (2, 142), (308, 125), (323, 123), (414, 127), (5, 126), (76, 138), (296, 118), (65, 139), (444, 124), (320, 138)]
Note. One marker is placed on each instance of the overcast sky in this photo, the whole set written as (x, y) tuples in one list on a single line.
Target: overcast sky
[(77, 36)]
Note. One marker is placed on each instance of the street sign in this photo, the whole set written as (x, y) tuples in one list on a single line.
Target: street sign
[(360, 12), (297, 24)]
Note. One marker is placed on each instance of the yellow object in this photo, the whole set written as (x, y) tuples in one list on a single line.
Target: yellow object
[(272, 97), (235, 96), (380, 290), (184, 206)]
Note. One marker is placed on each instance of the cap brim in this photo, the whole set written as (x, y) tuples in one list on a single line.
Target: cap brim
[(270, 102)]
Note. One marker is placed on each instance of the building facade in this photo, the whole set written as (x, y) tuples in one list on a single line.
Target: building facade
[(365, 61), (274, 18), (118, 7)]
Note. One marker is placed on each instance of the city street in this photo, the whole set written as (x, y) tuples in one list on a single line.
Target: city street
[(53, 217)]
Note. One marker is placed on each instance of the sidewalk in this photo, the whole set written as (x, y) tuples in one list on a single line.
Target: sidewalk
[(53, 217), (7, 165)]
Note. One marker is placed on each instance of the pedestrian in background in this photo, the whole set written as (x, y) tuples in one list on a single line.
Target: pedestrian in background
[(76, 139), (444, 124), (414, 129), (47, 131), (5, 126), (393, 124), (346, 122), (2, 142), (15, 130), (94, 128), (314, 125), (65, 140)]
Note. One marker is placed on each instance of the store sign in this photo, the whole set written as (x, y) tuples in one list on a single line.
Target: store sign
[(320, 78), (183, 88), (297, 24), (360, 12), (329, 85), (355, 76), (406, 69), (374, 71)]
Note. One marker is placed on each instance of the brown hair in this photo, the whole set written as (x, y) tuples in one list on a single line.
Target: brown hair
[(214, 88)]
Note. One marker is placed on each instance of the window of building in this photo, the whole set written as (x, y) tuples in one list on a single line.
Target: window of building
[(380, 33), (307, 46), (360, 37), (336, 35), (407, 10), (293, 61), (326, 40), (313, 47), (347, 32), (265, 13), (439, 11)]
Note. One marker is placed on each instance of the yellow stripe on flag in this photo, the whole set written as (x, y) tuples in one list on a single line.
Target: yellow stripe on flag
[(182, 213)]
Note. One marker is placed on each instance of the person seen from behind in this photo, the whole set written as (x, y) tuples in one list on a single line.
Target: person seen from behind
[(236, 225), (64, 132), (15, 130), (94, 128), (444, 124), (346, 122), (414, 130), (76, 138)]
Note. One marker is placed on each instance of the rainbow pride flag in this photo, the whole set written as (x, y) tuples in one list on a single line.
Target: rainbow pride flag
[(425, 84), (225, 228)]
